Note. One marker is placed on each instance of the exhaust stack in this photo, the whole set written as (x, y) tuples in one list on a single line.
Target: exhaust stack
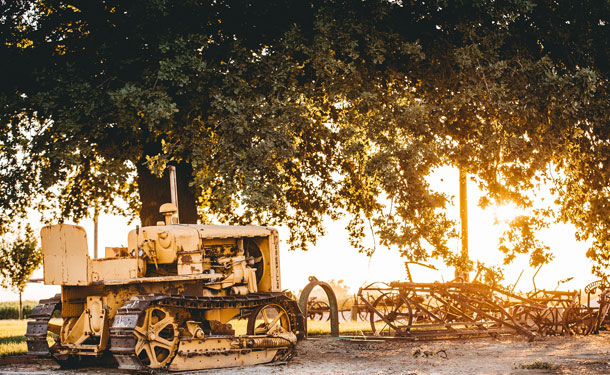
[(173, 188)]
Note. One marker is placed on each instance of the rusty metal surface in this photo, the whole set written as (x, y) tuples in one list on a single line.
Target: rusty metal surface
[(456, 309), (160, 279), (332, 300), (317, 309)]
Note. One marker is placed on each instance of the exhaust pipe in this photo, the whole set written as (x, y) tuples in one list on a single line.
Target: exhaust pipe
[(173, 189)]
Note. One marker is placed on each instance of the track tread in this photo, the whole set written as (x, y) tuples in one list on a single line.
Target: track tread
[(36, 332), (123, 340)]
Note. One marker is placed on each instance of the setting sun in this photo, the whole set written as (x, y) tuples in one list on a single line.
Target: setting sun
[(506, 213)]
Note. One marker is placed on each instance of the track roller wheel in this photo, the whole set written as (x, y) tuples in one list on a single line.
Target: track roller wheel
[(157, 337), (269, 319)]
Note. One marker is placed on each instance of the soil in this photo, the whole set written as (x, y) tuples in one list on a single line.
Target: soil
[(506, 355)]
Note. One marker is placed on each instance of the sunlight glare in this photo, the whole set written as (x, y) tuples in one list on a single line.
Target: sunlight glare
[(505, 213)]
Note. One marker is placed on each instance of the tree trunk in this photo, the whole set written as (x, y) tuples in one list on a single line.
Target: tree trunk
[(20, 307), (155, 191)]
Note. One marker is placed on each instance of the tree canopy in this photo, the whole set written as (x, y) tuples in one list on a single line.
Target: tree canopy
[(289, 112)]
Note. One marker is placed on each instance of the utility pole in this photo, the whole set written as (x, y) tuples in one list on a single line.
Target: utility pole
[(464, 221), (95, 232)]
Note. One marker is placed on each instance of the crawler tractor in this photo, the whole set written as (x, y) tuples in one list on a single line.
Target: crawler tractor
[(164, 302)]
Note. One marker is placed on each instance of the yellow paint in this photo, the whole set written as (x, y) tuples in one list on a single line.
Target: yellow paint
[(65, 256), (208, 260)]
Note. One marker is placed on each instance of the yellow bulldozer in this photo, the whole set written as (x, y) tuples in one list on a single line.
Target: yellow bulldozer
[(165, 301)]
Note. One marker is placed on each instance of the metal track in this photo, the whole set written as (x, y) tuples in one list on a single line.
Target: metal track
[(123, 339), (36, 333)]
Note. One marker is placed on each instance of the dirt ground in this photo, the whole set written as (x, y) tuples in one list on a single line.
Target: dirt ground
[(507, 355)]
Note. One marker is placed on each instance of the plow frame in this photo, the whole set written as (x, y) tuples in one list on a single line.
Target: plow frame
[(461, 309)]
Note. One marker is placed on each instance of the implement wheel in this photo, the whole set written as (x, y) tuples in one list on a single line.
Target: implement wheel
[(397, 315), (579, 320)]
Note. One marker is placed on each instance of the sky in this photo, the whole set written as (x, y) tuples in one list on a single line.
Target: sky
[(332, 258)]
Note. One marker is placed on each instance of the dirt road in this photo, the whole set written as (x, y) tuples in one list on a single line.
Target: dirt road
[(552, 355)]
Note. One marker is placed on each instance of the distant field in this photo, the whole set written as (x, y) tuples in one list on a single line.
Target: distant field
[(314, 327), (10, 310), (12, 339)]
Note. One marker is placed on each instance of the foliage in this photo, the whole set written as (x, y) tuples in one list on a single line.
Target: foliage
[(520, 239), (18, 259), (122, 89), (288, 113), (492, 275)]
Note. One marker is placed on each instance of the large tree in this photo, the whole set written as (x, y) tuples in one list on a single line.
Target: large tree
[(515, 93), (287, 112), (109, 93)]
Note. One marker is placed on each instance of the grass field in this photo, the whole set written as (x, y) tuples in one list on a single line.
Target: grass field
[(12, 339)]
